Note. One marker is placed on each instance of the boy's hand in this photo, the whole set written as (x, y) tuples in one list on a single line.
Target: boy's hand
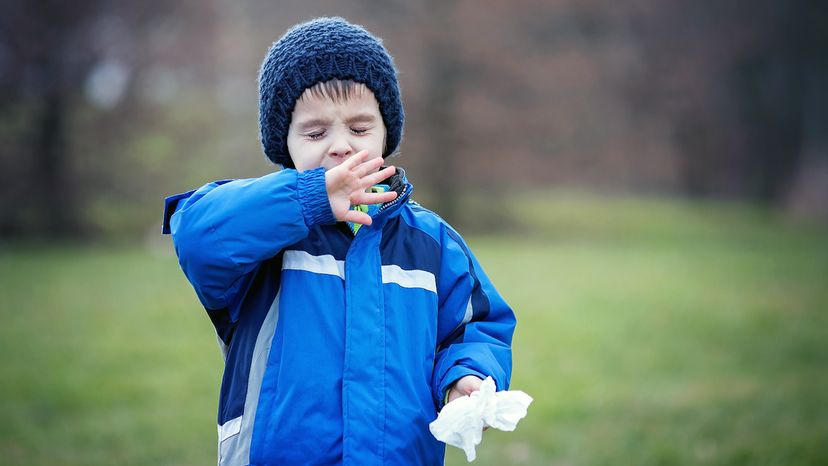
[(346, 184), (464, 387)]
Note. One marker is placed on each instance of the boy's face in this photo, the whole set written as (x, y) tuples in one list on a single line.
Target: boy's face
[(325, 132)]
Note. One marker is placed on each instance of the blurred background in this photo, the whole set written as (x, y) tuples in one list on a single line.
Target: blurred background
[(645, 181)]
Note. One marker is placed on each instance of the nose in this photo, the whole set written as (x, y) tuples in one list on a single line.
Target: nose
[(340, 147)]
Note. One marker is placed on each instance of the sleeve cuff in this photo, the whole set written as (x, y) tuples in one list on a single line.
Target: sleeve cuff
[(313, 196)]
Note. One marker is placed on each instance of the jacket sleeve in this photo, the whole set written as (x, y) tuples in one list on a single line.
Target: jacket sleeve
[(474, 322), (224, 230)]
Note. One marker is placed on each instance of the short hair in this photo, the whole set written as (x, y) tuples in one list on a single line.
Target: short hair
[(338, 90)]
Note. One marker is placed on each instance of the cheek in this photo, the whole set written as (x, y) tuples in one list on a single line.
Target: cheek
[(302, 165), (376, 144), (307, 163), (304, 156)]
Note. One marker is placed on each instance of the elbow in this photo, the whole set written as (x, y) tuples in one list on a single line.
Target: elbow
[(197, 247), (188, 237)]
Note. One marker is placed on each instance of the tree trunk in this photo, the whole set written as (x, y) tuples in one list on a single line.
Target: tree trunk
[(440, 104)]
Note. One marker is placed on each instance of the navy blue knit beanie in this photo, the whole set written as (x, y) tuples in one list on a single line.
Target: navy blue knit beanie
[(318, 51)]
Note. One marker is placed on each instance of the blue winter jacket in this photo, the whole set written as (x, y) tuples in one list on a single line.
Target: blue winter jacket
[(338, 348)]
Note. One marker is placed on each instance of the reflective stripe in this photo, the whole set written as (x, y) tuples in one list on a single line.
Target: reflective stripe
[(328, 265), (469, 313), (222, 347), (229, 428), (236, 450), (301, 260), (409, 278)]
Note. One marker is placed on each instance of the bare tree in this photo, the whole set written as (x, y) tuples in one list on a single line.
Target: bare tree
[(40, 39)]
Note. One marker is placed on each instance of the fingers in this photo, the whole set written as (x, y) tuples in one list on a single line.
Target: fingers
[(360, 165), (379, 176), (468, 384), (347, 183), (367, 167), (356, 216), (373, 198), (367, 198), (357, 159)]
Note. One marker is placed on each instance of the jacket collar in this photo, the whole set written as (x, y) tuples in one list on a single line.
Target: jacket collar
[(399, 183)]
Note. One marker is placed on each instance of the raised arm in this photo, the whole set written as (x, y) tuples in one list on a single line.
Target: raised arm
[(223, 231)]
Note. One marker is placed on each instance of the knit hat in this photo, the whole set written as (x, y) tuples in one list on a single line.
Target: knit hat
[(318, 51)]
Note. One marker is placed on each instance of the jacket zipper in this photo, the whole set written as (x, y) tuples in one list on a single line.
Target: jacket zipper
[(399, 198)]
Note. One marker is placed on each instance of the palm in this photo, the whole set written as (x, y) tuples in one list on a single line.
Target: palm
[(347, 182)]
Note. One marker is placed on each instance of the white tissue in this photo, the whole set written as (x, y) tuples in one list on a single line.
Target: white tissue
[(461, 422)]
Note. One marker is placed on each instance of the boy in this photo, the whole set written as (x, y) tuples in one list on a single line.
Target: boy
[(347, 314)]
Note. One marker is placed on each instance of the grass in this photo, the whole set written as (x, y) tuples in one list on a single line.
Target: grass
[(649, 332)]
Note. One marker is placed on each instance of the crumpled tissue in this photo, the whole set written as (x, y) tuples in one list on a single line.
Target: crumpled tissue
[(461, 422)]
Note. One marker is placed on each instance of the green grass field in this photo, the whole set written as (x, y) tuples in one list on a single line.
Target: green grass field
[(649, 332)]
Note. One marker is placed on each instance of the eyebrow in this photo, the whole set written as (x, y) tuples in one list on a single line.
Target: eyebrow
[(314, 122), (361, 118), (317, 122)]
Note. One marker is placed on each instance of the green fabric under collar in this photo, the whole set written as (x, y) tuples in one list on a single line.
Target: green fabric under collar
[(369, 209)]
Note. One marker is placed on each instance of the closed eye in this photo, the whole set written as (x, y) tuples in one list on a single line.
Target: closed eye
[(316, 135)]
